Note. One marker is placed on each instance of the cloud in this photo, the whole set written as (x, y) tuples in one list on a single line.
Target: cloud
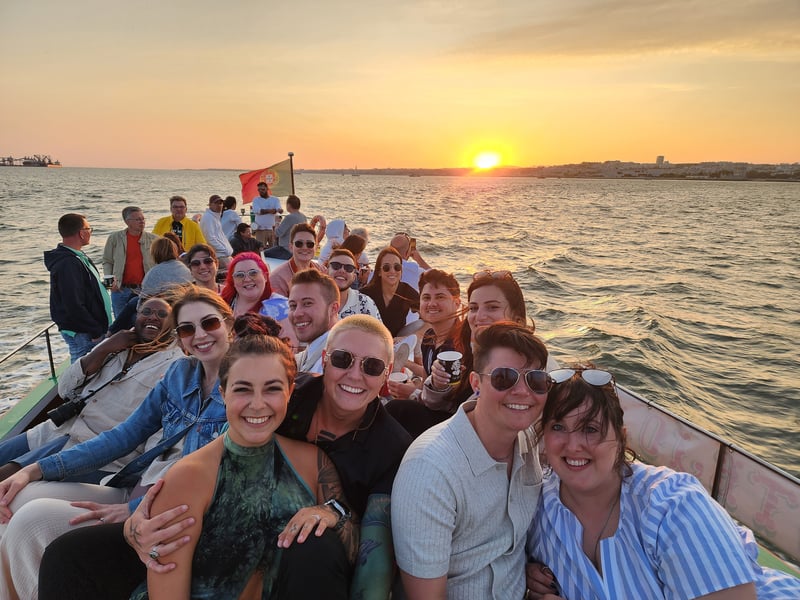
[(624, 27)]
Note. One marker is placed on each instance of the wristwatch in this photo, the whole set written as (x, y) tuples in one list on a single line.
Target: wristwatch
[(341, 509)]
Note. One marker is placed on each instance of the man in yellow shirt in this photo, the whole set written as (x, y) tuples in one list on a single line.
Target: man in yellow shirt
[(179, 224)]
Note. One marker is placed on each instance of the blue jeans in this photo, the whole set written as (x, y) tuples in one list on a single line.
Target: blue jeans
[(16, 450), (119, 299), (79, 345)]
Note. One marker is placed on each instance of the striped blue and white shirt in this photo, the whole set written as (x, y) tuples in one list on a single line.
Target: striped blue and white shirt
[(673, 542)]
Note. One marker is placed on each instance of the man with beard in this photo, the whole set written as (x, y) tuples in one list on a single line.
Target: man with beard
[(342, 268), (101, 390), (313, 310)]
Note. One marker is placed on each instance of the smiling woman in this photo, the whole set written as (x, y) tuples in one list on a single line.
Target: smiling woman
[(487, 160)]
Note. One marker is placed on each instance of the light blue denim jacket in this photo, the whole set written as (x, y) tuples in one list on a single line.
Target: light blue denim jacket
[(173, 404)]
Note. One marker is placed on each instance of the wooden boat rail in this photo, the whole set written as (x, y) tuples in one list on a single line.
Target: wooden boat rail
[(756, 493), (31, 408)]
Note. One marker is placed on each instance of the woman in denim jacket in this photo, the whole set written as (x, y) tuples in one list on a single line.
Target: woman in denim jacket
[(186, 404)]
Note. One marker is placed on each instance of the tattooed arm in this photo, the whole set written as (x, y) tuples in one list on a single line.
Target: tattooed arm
[(375, 565), (318, 518)]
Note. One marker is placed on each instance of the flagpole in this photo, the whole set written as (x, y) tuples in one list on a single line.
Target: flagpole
[(291, 169)]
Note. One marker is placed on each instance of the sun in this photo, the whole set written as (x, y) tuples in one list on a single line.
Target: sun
[(487, 160)]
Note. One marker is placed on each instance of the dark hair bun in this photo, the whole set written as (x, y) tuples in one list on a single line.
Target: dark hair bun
[(254, 324)]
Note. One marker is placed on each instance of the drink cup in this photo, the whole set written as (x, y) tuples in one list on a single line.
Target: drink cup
[(451, 362), (398, 377), (108, 281)]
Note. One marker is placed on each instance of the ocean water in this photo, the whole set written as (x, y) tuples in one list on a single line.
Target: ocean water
[(689, 291)]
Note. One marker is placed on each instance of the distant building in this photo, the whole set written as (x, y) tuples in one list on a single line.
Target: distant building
[(659, 161)]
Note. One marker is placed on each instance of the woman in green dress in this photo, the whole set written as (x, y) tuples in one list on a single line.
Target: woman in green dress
[(249, 487)]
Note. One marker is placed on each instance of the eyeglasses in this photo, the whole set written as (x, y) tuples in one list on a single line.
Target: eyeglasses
[(386, 267), (196, 262), (594, 377), (241, 275), (337, 266), (342, 359), (488, 274), (208, 325), (89, 229), (147, 312), (505, 378), (300, 243)]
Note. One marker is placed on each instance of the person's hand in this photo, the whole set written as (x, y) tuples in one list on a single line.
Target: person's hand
[(102, 513), (11, 486), (145, 534), (401, 391), (121, 340), (540, 582), (114, 285), (312, 518), (440, 378)]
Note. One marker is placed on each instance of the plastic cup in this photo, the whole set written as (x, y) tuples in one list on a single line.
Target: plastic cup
[(451, 362), (398, 377)]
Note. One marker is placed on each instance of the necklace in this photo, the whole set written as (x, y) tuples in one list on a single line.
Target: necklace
[(605, 524)]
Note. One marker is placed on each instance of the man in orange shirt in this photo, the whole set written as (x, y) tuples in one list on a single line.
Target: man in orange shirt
[(126, 257)]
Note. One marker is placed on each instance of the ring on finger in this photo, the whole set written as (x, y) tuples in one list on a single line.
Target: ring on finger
[(101, 519), (317, 517), (293, 528), (154, 553)]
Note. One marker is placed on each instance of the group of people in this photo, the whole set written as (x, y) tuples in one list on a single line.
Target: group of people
[(511, 481)]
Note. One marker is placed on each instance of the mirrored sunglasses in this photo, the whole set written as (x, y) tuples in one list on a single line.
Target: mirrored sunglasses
[(196, 262), (488, 274), (594, 377), (337, 266), (146, 311), (241, 275), (306, 243), (386, 267), (208, 324), (342, 359), (505, 378)]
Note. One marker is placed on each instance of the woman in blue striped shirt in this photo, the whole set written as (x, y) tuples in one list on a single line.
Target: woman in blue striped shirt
[(610, 528)]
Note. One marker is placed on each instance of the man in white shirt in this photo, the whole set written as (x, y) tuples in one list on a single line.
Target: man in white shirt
[(313, 310), (265, 207), (412, 269), (342, 268), (211, 224)]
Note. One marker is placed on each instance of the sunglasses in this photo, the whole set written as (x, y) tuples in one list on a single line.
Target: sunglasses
[(208, 325), (241, 275), (201, 261), (487, 274), (594, 377), (300, 243), (147, 312), (386, 267), (505, 378), (342, 359), (337, 266)]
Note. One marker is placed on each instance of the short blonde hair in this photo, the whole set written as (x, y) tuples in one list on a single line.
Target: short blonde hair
[(365, 324)]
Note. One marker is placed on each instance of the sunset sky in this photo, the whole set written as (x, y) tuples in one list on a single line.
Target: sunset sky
[(415, 83)]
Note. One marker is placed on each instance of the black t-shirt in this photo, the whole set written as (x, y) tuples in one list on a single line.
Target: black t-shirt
[(367, 458)]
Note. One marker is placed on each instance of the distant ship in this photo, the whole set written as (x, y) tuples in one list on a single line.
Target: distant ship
[(37, 160)]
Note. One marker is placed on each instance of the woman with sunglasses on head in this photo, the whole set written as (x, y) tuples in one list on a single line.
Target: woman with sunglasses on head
[(393, 297), (185, 405), (303, 241), (341, 413), (612, 528), (468, 488), (202, 262), (251, 490)]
